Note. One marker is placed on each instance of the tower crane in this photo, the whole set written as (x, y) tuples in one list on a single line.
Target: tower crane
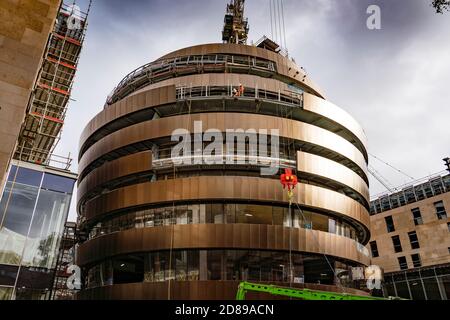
[(236, 27)]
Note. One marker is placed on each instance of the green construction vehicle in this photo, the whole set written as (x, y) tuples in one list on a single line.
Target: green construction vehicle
[(304, 294)]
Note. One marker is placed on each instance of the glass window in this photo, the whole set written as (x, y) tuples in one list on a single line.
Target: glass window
[(416, 260), (8, 275), (332, 226), (318, 271), (389, 224), (46, 229), (12, 173), (402, 289), (397, 244), (5, 293), (180, 265), (215, 265), (417, 216), (34, 284), (432, 289), (266, 266), (414, 240), (18, 205), (389, 290), (402, 263), (416, 290), (440, 210), (181, 213), (254, 266), (217, 211), (193, 265), (230, 210), (58, 183), (320, 222), (129, 269), (374, 249), (160, 264), (29, 177)]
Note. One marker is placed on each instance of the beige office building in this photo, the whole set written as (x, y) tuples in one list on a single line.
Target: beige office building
[(410, 240)]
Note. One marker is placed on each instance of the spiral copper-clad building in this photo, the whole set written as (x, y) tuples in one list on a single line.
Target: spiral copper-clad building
[(158, 230)]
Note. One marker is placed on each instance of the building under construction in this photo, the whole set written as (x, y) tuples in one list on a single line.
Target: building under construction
[(39, 185), (158, 229)]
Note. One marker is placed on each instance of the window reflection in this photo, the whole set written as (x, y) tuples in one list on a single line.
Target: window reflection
[(46, 229), (32, 215), (219, 265), (17, 204), (225, 213)]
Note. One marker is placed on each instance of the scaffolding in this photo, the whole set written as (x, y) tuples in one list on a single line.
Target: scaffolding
[(46, 111), (66, 257)]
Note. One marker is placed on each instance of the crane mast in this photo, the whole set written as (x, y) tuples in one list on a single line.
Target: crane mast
[(236, 27)]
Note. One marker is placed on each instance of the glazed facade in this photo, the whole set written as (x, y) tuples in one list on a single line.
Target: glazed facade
[(156, 229), (33, 209)]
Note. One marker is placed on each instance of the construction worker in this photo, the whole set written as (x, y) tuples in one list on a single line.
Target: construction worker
[(241, 90)]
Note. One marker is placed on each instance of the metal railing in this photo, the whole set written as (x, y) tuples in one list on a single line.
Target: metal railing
[(165, 69), (223, 159)]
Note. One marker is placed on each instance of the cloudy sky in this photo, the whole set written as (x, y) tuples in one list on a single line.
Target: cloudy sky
[(394, 81)]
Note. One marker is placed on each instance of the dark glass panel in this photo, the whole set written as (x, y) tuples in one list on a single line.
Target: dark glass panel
[(58, 183), (29, 177), (402, 290), (12, 173), (129, 269), (8, 275), (432, 289), (416, 289)]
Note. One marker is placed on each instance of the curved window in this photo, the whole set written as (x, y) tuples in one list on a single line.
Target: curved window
[(220, 265), (220, 213)]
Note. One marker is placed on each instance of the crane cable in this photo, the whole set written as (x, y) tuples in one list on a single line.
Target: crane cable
[(277, 23), (385, 182), (391, 166)]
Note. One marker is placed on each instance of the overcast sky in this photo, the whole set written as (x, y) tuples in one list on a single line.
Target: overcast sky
[(394, 81)]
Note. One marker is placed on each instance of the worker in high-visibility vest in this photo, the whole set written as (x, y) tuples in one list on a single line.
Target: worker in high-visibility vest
[(241, 90)]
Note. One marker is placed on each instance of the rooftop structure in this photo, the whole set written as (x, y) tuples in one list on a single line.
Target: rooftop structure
[(424, 188)]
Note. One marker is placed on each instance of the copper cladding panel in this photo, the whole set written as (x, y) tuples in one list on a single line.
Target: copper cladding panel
[(133, 103), (164, 93), (128, 165), (222, 121), (218, 236), (323, 167), (210, 188)]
